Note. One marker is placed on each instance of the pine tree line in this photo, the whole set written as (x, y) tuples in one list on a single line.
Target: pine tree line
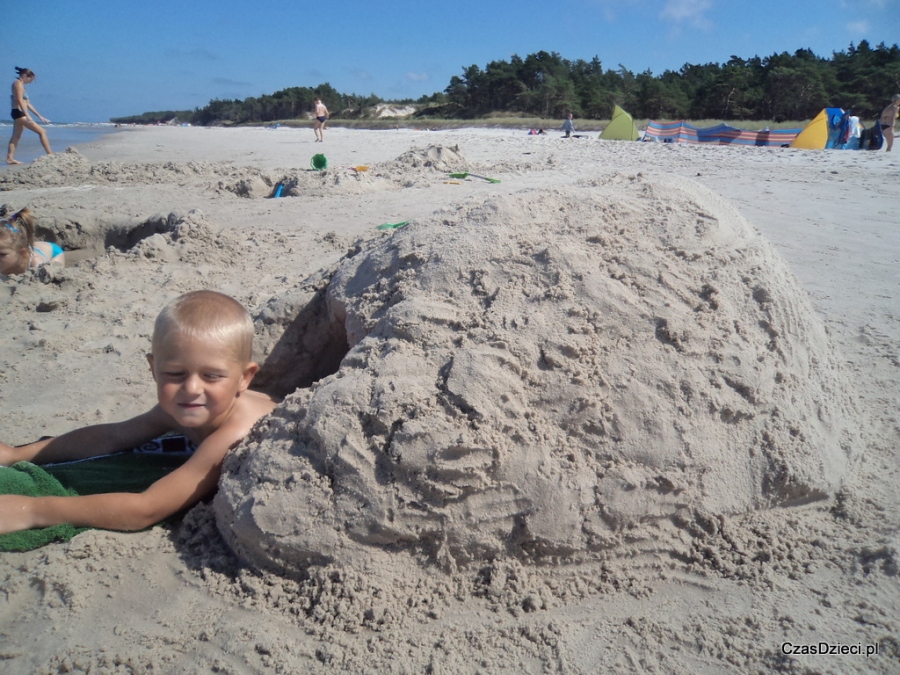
[(778, 87)]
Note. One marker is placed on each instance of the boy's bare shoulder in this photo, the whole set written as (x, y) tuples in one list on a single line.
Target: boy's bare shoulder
[(248, 409), (257, 404)]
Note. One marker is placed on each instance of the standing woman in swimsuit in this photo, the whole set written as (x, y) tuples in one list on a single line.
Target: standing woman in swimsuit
[(21, 107), (889, 119)]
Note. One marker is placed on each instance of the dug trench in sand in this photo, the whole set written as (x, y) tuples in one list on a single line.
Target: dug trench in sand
[(540, 376)]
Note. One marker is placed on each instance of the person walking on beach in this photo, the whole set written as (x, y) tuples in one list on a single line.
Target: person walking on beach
[(888, 119), (568, 126), (21, 107), (321, 116)]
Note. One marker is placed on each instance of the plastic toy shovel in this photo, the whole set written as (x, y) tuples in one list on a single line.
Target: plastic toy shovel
[(474, 175), (393, 226)]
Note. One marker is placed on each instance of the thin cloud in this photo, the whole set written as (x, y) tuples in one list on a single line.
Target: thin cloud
[(608, 8), (692, 12), (858, 28), (226, 82), (196, 54), (417, 77)]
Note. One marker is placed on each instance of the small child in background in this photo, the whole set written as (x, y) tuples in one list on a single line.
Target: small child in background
[(18, 249), (201, 360)]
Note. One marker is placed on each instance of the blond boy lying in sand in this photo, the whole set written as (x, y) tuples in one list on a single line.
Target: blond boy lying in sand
[(201, 362)]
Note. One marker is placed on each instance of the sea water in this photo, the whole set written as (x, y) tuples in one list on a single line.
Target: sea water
[(61, 136)]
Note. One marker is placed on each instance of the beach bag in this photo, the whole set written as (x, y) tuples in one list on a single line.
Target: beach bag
[(872, 138)]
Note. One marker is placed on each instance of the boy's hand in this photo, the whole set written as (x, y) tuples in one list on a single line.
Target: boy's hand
[(15, 514)]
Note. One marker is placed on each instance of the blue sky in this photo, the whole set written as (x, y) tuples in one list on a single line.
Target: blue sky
[(97, 59)]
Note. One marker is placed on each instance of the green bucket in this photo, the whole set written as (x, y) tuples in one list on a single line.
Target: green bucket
[(318, 162)]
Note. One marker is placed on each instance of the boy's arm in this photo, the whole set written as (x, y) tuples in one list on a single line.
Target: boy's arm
[(191, 482), (93, 441)]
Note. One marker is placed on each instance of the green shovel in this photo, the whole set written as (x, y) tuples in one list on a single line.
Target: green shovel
[(474, 175)]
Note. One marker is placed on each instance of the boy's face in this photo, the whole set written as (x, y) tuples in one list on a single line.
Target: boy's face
[(197, 381)]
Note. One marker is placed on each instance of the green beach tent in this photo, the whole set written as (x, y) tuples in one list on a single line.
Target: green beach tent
[(620, 128)]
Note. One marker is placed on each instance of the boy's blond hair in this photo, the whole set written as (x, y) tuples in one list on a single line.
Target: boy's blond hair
[(207, 315)]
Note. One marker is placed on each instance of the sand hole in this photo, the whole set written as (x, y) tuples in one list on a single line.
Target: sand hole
[(311, 341)]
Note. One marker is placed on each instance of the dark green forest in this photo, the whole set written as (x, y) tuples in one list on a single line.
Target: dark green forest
[(779, 87)]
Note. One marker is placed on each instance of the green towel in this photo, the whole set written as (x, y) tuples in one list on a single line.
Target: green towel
[(124, 472), (31, 480)]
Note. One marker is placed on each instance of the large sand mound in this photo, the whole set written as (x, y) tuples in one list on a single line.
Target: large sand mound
[(541, 376)]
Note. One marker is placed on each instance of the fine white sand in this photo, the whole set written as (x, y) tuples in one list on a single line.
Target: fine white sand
[(632, 409)]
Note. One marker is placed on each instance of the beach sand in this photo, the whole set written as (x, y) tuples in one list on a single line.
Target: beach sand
[(637, 405)]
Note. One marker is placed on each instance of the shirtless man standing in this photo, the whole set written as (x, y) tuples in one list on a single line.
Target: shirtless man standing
[(321, 116), (888, 119)]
